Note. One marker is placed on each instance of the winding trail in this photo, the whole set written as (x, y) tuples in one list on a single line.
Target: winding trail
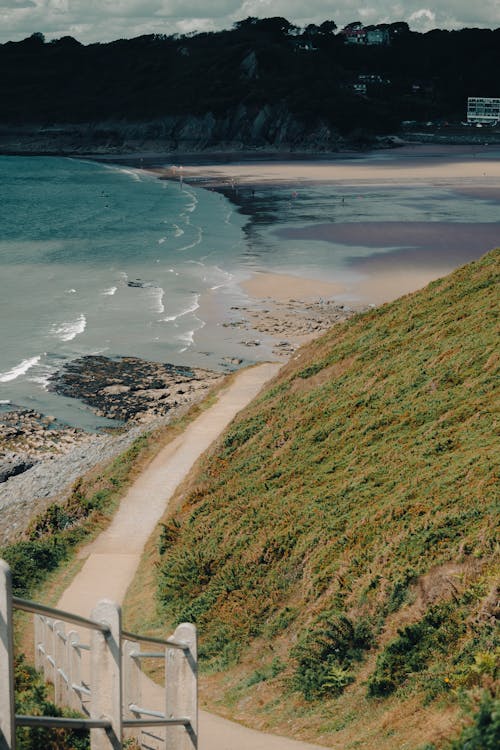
[(112, 559)]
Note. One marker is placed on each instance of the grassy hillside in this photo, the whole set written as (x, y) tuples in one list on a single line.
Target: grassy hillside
[(337, 549)]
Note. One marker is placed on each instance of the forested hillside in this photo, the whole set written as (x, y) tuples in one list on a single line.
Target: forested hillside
[(300, 80), (339, 548)]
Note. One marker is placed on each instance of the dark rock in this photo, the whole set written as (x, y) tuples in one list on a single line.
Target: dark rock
[(142, 284), (128, 388), (14, 465)]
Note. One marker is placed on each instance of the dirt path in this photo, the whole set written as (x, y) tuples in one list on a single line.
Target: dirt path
[(112, 559)]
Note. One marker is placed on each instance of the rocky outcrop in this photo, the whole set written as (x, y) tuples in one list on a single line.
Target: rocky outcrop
[(129, 388), (11, 465), (26, 436), (148, 394), (271, 127)]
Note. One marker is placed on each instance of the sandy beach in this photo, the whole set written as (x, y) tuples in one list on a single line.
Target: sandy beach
[(414, 252), (459, 165)]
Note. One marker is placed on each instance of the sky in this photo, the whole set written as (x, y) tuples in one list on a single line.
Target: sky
[(105, 20)]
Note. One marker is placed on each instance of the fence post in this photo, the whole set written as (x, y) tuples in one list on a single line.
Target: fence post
[(7, 708), (131, 683), (50, 652), (74, 670), (181, 687), (60, 666), (39, 627), (105, 680)]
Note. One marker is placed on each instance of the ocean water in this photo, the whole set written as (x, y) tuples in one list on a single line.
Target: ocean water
[(73, 235), (97, 258)]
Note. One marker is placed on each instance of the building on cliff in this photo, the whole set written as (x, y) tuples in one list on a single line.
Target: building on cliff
[(483, 110)]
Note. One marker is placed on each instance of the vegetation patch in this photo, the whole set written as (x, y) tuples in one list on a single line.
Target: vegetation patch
[(49, 543), (32, 700), (325, 653), (53, 535)]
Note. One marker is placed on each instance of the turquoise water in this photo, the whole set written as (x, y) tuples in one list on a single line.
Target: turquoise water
[(96, 258), (73, 235)]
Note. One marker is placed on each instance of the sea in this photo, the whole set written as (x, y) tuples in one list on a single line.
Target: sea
[(97, 258)]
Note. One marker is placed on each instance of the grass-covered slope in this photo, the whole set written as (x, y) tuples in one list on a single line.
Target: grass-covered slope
[(337, 549)]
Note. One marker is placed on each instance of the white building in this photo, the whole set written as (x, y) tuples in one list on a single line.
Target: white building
[(483, 110)]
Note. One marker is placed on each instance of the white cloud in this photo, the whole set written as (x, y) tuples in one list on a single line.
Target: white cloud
[(103, 20), (424, 19)]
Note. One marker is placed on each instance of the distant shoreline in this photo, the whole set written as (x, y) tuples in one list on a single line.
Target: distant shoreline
[(469, 171)]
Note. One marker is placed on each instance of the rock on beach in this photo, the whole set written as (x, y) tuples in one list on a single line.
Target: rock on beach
[(129, 388), (40, 459)]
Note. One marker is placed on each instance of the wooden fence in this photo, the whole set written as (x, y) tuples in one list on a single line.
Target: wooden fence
[(101, 679)]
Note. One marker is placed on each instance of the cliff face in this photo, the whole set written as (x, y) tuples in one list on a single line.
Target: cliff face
[(268, 128)]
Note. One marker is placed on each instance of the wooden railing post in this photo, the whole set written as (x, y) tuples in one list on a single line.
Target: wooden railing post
[(39, 629), (181, 686), (74, 662), (7, 709), (131, 683), (50, 651), (105, 680), (60, 666)]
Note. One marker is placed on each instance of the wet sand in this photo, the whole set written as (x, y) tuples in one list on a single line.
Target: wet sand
[(282, 312), (284, 287), (406, 255), (415, 253)]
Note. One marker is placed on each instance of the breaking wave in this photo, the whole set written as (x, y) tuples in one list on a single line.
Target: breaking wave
[(71, 329), (19, 369)]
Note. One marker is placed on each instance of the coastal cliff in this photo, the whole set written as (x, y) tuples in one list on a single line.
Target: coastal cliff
[(261, 85), (270, 128)]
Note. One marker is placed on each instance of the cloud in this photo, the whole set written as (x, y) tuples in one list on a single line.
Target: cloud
[(423, 18), (104, 20)]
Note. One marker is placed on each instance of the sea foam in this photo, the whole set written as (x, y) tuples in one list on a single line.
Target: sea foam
[(193, 244), (192, 308), (69, 330), (188, 339), (19, 369), (109, 292), (157, 295)]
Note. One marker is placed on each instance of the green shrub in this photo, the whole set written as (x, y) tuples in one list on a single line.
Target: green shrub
[(31, 561), (484, 734), (324, 654), (412, 649), (32, 700), (265, 673)]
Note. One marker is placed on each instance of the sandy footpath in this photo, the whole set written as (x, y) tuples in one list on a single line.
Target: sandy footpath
[(112, 559)]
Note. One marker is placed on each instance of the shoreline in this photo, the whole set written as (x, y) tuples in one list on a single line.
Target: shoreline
[(349, 167), (466, 171), (279, 311)]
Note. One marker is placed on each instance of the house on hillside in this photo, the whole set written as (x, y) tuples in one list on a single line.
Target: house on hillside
[(482, 110), (376, 35), (356, 33)]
